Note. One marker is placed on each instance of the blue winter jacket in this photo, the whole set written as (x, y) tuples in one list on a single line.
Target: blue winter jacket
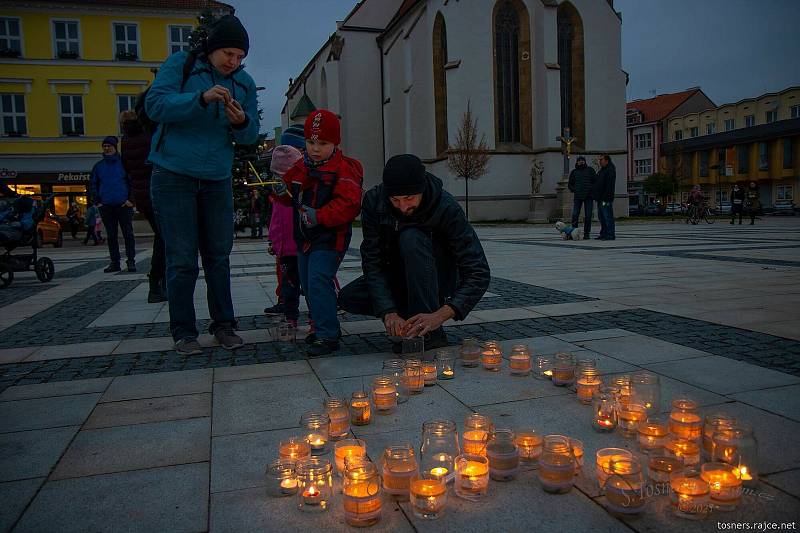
[(110, 184), (191, 138)]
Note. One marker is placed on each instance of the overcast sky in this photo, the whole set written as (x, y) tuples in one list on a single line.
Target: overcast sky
[(732, 49)]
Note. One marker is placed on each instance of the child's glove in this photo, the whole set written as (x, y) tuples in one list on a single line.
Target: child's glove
[(308, 216), (280, 188)]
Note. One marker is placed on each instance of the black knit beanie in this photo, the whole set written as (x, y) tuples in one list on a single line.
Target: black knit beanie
[(228, 32), (403, 175)]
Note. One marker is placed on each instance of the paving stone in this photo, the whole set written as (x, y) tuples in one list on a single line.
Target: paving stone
[(593, 335), (130, 412), (15, 496), (173, 499), (239, 461), (62, 388), (41, 413), (30, 454), (348, 366), (476, 386), (15, 355), (117, 449), (640, 350), (281, 368), (163, 384), (784, 401), (786, 481)]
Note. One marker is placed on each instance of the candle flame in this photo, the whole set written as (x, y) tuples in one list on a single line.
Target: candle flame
[(439, 471), (312, 491)]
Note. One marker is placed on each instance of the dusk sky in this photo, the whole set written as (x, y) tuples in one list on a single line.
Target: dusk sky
[(732, 49)]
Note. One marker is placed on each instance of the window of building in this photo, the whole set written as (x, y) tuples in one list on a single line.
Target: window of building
[(730, 124), (10, 39), (771, 116), (694, 131), (794, 111), (507, 65), (785, 192), (12, 115), (763, 156), (749, 121), (71, 114), (126, 41), (743, 152), (711, 128), (66, 39), (126, 102), (643, 167), (179, 38), (703, 162), (678, 135), (643, 140), (440, 82), (788, 147), (571, 61)]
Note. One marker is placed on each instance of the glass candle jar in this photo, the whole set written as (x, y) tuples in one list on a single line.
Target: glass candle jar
[(738, 447), (603, 459), (429, 373), (646, 390), (384, 394), (624, 487), (492, 356), (529, 444), (520, 360), (563, 369), (661, 467), (439, 448), (725, 485), (314, 484), (684, 419), (348, 448), (361, 494), (281, 478), (415, 378), (620, 388), (399, 466), (688, 450), (689, 494), (396, 369), (543, 368), (445, 365), (472, 476), (588, 384), (712, 423), (629, 416), (294, 449), (428, 496), (604, 410), (577, 452), (285, 332), (477, 429), (470, 353), (339, 414), (652, 434), (360, 411), (316, 426), (503, 455), (557, 465)]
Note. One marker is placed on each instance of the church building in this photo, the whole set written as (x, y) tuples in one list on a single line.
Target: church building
[(401, 73)]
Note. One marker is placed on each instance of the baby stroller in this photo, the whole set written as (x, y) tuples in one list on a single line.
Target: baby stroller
[(19, 217)]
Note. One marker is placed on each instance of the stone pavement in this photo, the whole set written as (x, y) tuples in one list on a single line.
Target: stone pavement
[(104, 428)]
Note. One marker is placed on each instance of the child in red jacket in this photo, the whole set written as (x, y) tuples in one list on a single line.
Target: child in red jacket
[(325, 192)]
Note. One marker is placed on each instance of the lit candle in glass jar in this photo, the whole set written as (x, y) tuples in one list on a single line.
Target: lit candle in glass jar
[(588, 383), (563, 369), (470, 353), (476, 433), (652, 435), (429, 371), (577, 452), (689, 494), (414, 376), (629, 416), (384, 394), (662, 466), (684, 420), (688, 450), (428, 497), (348, 448), (492, 356), (520, 360), (472, 476), (340, 417), (360, 412), (530, 446), (603, 459), (725, 485), (294, 449), (315, 484), (317, 427), (361, 494), (281, 478), (399, 467)]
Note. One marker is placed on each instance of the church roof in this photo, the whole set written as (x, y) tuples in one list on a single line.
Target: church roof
[(303, 108), (658, 108)]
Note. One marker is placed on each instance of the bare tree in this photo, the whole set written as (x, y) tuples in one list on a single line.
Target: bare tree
[(469, 157)]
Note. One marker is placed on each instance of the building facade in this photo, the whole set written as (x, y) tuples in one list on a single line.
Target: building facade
[(755, 139), (67, 69), (526, 68)]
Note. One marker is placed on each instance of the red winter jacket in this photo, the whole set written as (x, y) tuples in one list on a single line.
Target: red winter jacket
[(334, 190)]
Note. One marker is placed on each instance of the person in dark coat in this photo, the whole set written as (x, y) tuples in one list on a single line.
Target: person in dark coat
[(753, 201), (737, 202), (581, 183), (423, 263), (604, 194), (135, 151)]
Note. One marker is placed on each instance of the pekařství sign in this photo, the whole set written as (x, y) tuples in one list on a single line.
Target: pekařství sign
[(34, 178)]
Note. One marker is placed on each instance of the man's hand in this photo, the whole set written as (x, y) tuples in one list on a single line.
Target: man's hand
[(394, 324), (424, 323), (217, 93), (308, 215), (234, 111)]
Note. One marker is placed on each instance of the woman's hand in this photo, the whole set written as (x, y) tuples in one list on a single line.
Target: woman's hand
[(235, 112)]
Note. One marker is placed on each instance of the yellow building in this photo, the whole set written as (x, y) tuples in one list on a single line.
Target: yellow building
[(67, 69), (755, 139)]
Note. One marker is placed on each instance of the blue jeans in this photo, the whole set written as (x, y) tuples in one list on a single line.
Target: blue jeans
[(195, 215), (587, 215), (605, 212), (317, 270)]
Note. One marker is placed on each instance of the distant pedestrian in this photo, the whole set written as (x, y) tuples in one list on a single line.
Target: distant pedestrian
[(737, 202), (111, 192), (604, 194), (753, 201), (581, 182), (90, 220)]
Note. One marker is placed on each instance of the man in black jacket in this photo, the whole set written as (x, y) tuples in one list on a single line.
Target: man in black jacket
[(423, 263), (581, 182), (604, 193)]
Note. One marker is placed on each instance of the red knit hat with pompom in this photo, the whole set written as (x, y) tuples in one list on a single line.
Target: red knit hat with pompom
[(322, 125)]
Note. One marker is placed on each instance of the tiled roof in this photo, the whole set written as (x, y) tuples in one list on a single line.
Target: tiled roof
[(658, 108), (194, 5)]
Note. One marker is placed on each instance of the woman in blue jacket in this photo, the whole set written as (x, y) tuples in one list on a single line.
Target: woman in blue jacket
[(200, 114)]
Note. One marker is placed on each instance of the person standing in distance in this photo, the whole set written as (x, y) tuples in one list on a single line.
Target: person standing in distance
[(604, 194), (581, 182)]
